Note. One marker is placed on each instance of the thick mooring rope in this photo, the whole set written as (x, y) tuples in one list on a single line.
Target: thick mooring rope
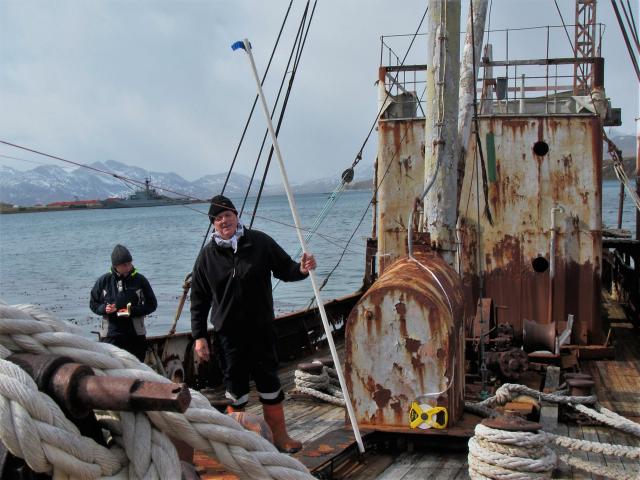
[(508, 391), (324, 386), (508, 455), (503, 455), (34, 428)]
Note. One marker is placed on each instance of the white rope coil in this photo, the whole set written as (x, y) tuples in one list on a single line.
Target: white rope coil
[(507, 455), (499, 454), (323, 386), (39, 431), (33, 427)]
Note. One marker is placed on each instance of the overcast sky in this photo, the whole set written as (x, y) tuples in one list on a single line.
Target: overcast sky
[(156, 85)]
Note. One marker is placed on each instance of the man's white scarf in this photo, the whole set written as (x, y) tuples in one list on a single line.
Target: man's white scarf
[(231, 242)]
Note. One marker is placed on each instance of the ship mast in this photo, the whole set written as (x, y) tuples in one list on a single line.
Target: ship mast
[(584, 45), (443, 54)]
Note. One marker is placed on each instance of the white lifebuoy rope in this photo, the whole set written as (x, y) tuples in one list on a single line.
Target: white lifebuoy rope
[(507, 455), (48, 442)]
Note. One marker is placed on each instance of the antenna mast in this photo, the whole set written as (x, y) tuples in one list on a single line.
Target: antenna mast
[(584, 45)]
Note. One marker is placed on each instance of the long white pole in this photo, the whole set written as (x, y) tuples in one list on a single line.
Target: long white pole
[(303, 244)]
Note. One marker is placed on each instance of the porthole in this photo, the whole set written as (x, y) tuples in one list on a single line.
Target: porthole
[(541, 148), (540, 264)]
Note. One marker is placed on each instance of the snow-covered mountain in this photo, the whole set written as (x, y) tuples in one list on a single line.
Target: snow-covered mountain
[(50, 183)]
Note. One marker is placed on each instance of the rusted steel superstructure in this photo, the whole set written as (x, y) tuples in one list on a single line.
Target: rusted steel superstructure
[(399, 172), (536, 164), (529, 238), (530, 208)]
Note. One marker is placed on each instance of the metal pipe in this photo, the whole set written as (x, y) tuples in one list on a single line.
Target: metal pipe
[(522, 94), (75, 387), (410, 224), (637, 184), (552, 257), (546, 76), (620, 205)]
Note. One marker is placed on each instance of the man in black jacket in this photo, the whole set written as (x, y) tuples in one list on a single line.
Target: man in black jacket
[(123, 297), (232, 280)]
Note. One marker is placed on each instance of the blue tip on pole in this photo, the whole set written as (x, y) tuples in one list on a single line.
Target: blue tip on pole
[(237, 45), (241, 44)]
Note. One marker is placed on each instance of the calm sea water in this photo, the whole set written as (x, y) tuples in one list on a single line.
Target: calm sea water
[(53, 259)]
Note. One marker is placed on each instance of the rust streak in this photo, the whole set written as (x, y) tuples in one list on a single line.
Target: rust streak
[(381, 396)]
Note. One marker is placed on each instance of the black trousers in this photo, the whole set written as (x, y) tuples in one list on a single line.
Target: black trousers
[(249, 354), (134, 344)]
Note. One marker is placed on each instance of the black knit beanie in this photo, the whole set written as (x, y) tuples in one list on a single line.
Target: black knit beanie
[(120, 255), (220, 204)]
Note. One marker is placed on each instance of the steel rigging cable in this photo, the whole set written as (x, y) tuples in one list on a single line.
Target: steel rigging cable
[(347, 175), (246, 125), (284, 106), (294, 47)]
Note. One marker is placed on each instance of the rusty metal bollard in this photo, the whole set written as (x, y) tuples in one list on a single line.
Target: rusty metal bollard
[(311, 368), (78, 391), (75, 387)]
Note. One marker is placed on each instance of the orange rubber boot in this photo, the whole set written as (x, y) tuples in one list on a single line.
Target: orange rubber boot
[(274, 416), (232, 409)]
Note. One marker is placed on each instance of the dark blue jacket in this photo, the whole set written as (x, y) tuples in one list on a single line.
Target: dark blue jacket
[(133, 288)]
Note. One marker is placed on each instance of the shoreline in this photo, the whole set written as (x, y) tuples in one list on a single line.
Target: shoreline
[(10, 209)]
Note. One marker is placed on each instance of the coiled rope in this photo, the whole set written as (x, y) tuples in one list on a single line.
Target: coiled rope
[(324, 386), (509, 455), (499, 454), (34, 428)]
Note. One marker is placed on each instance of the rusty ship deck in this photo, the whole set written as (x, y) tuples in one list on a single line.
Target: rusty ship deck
[(329, 451)]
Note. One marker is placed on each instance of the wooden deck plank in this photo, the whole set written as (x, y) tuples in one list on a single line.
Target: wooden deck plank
[(403, 465), (314, 428), (589, 433), (548, 410), (576, 432), (621, 438), (604, 436), (428, 465), (562, 470), (463, 474), (371, 467), (439, 466)]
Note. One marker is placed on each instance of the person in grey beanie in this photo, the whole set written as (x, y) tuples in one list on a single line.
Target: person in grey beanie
[(123, 297)]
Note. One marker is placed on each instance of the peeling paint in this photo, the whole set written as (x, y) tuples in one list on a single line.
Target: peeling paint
[(416, 350), (526, 188)]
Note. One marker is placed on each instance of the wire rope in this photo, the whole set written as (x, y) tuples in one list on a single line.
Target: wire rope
[(284, 105), (275, 105)]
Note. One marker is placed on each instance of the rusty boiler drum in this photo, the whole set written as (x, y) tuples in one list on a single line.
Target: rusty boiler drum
[(404, 347)]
